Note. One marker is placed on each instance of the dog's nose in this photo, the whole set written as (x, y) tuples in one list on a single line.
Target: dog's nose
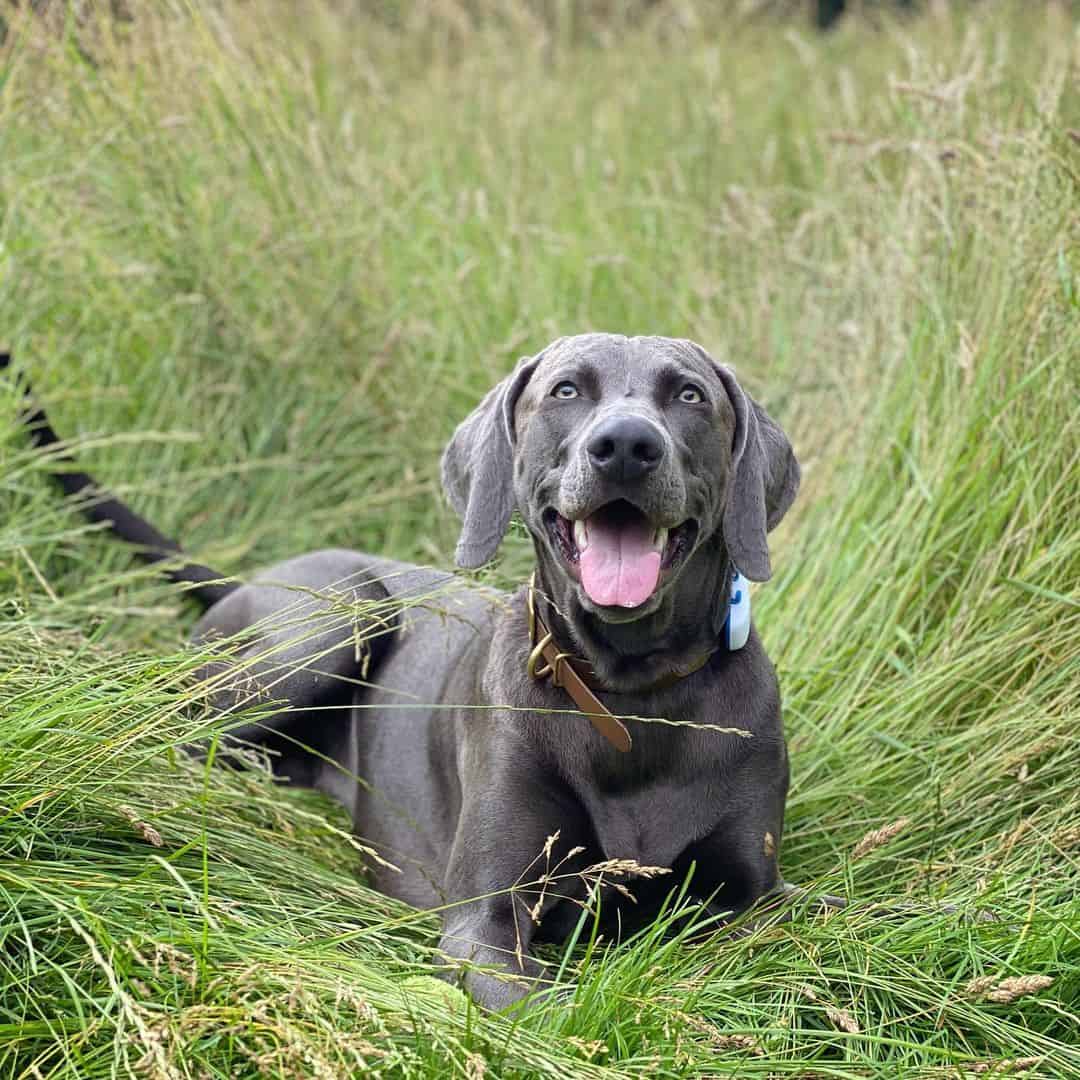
[(625, 447)]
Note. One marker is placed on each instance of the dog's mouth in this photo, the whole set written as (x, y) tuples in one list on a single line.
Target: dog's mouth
[(618, 553)]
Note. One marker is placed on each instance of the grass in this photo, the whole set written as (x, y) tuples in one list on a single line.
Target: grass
[(260, 259)]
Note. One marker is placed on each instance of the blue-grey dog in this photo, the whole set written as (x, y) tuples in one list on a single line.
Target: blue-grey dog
[(454, 731)]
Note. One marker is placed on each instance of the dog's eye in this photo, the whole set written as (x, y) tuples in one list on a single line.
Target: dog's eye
[(691, 395), (565, 391)]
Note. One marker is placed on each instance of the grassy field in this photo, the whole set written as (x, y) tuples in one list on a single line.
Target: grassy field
[(259, 260)]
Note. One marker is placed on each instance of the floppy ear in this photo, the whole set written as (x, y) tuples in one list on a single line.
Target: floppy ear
[(763, 484), (478, 468)]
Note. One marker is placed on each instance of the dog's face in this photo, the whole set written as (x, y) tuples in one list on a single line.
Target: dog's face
[(621, 464), (623, 456)]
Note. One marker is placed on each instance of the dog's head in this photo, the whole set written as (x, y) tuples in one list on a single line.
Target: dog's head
[(623, 456)]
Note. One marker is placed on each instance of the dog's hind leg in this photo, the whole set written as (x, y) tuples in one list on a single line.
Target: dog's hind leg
[(781, 905), (821, 900), (775, 908), (299, 644)]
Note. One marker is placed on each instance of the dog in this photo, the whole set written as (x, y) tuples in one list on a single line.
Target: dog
[(484, 742)]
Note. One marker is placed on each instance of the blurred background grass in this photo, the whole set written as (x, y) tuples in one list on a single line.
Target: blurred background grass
[(260, 259)]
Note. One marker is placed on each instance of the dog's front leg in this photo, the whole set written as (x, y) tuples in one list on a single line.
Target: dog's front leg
[(507, 866), (492, 936)]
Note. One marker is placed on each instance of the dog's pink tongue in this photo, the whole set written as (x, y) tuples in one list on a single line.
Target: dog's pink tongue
[(619, 565)]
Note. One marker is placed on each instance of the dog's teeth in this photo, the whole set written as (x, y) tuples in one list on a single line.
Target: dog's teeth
[(581, 535), (660, 540)]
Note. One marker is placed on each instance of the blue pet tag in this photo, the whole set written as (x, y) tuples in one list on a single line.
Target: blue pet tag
[(737, 626)]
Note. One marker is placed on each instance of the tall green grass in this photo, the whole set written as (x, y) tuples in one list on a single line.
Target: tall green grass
[(259, 259)]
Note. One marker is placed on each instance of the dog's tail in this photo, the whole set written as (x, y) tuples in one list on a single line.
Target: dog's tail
[(99, 506)]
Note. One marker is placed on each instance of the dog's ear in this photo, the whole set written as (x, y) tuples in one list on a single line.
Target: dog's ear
[(478, 468), (764, 481)]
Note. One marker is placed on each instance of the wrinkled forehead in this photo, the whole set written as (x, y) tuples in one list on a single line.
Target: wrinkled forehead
[(635, 361)]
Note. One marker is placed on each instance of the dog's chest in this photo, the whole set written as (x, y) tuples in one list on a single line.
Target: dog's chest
[(654, 822)]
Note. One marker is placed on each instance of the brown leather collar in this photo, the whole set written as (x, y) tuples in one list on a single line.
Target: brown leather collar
[(577, 677)]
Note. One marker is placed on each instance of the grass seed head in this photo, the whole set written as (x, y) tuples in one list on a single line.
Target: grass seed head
[(879, 837)]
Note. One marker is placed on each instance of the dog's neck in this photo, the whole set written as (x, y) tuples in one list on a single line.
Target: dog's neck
[(638, 654)]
